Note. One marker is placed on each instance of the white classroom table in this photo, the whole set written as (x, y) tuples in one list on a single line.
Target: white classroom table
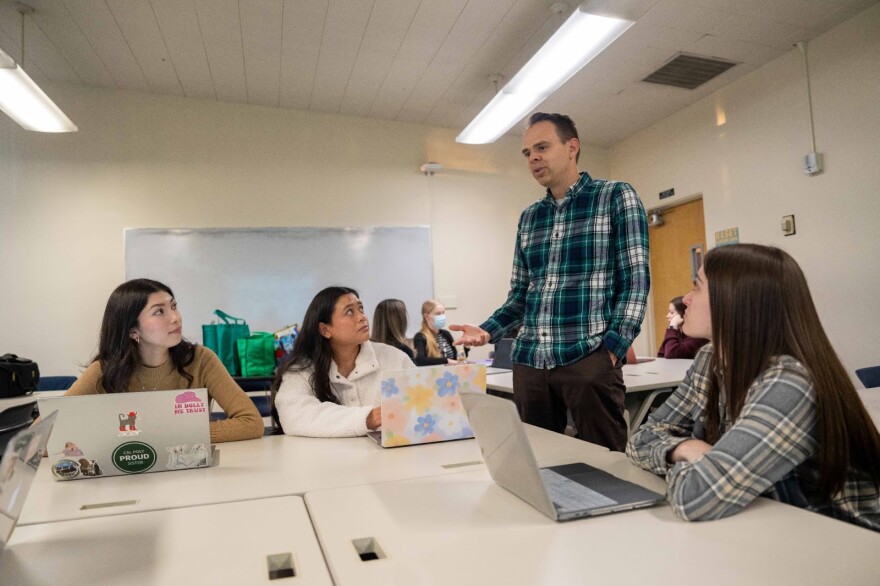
[(644, 382), (464, 529), (267, 467), (216, 544)]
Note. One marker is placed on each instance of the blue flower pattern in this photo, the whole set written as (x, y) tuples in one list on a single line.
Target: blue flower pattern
[(425, 424), (389, 388), (448, 384)]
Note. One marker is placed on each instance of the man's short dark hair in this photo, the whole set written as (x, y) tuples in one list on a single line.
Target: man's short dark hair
[(564, 125)]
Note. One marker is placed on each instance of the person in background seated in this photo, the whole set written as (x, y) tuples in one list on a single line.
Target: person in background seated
[(767, 409), (142, 348), (389, 325), (330, 384), (433, 343), (677, 344)]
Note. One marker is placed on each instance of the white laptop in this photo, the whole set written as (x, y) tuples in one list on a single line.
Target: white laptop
[(17, 471), (128, 433), (563, 493), (423, 405)]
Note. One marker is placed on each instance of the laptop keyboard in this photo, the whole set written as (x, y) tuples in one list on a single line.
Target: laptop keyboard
[(569, 496)]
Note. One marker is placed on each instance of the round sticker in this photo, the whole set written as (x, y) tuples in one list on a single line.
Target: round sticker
[(65, 469), (134, 457)]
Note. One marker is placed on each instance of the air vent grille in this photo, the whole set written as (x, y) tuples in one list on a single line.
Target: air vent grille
[(689, 71)]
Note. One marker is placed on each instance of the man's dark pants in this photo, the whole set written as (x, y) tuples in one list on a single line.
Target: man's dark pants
[(592, 389)]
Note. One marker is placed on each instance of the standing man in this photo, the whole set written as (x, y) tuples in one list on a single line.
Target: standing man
[(578, 289)]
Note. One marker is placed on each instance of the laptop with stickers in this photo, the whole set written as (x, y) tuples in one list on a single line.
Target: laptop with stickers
[(563, 493), (423, 405), (18, 467), (128, 433)]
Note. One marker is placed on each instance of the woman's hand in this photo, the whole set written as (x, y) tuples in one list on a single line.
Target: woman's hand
[(688, 451), (676, 321), (374, 419)]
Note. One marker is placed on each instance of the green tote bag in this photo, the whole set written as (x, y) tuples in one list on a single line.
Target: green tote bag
[(257, 354), (221, 338)]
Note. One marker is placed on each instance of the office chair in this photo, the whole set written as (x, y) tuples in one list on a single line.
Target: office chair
[(55, 383), (870, 376)]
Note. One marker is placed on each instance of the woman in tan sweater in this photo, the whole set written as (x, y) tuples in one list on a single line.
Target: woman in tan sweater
[(141, 348)]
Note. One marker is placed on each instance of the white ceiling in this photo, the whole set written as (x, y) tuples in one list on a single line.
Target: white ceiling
[(423, 61)]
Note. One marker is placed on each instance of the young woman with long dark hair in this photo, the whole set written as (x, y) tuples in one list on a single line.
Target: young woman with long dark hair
[(141, 348), (389, 325), (677, 344), (767, 408), (330, 385)]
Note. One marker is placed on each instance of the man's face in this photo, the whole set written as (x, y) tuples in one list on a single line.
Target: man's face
[(550, 160)]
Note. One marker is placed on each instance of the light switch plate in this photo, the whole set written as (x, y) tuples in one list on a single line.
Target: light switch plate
[(788, 227)]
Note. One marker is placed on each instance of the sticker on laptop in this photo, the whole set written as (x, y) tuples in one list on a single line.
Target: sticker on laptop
[(187, 456), (188, 402), (134, 457), (74, 463), (128, 424)]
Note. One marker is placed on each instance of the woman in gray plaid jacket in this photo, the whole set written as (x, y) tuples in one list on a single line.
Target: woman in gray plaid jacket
[(767, 408)]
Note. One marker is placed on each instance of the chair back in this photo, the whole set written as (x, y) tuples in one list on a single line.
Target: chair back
[(55, 383), (870, 376)]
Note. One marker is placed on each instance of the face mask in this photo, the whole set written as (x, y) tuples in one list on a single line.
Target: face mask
[(440, 321)]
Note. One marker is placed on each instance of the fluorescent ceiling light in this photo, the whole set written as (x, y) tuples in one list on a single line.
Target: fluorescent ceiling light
[(26, 103), (576, 43)]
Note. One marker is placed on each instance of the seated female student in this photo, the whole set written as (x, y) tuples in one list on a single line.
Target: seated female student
[(141, 348), (330, 385), (677, 344), (432, 343), (767, 408), (389, 325)]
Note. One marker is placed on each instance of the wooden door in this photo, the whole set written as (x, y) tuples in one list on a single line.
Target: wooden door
[(682, 232)]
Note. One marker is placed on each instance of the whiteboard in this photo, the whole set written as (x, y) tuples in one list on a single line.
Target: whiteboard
[(268, 276)]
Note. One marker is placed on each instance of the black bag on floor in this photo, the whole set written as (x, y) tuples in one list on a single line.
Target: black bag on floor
[(18, 376)]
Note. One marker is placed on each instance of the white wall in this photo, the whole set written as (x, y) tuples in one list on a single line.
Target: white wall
[(153, 161), (749, 171)]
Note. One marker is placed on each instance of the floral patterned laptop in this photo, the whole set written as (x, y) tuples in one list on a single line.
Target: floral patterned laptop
[(422, 405)]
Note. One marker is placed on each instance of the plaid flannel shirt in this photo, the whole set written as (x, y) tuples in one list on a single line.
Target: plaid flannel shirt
[(770, 450), (580, 275)]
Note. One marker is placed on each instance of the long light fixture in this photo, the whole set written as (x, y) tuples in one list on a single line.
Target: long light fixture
[(23, 100), (573, 45)]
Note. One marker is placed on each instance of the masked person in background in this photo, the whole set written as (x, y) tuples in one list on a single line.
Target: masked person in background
[(433, 343)]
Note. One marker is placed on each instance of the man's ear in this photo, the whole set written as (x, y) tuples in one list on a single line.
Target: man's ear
[(574, 146)]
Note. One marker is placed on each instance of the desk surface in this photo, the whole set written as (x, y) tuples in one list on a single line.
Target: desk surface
[(216, 544), (464, 529), (659, 373), (267, 467)]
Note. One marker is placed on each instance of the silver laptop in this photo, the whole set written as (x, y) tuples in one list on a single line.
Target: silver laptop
[(563, 493), (128, 433), (18, 467), (423, 405)]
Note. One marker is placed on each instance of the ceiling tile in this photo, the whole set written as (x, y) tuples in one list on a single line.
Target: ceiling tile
[(141, 31), (179, 26), (300, 47), (97, 23), (220, 23), (261, 26)]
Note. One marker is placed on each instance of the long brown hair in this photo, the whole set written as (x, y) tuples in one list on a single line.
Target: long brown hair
[(432, 349), (761, 307), (117, 351), (389, 322)]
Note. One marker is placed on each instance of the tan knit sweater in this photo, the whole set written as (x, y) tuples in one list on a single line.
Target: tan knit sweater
[(243, 420)]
